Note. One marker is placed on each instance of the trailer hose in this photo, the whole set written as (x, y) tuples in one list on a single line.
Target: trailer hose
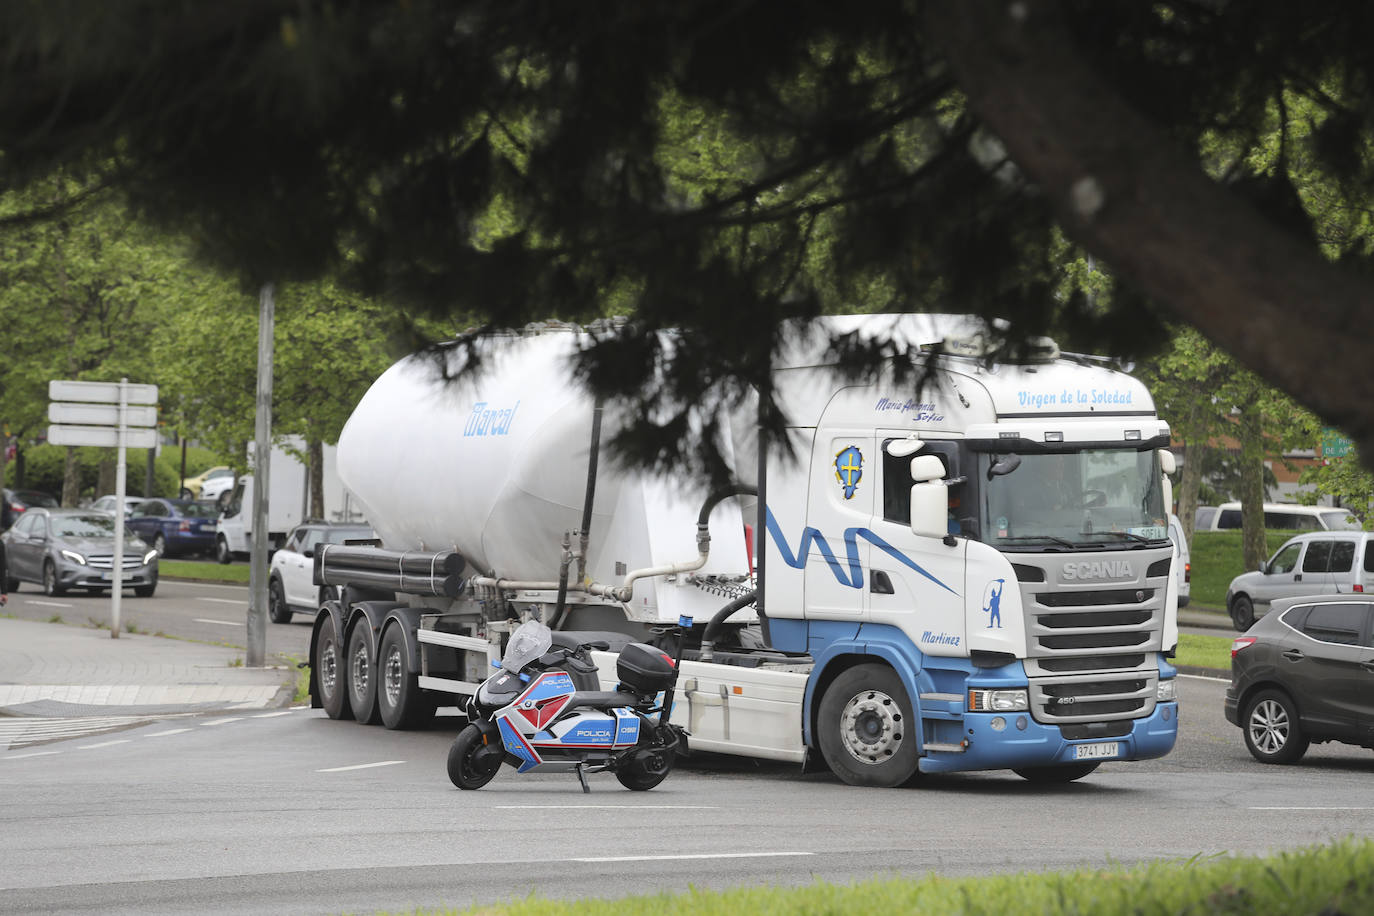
[(718, 619)]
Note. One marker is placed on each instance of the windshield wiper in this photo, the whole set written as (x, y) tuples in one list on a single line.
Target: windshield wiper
[(1041, 537), (1133, 536)]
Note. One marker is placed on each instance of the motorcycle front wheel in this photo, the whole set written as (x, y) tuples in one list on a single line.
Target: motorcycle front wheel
[(468, 768)]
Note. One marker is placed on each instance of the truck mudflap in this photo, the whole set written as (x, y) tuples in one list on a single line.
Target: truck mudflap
[(1001, 741)]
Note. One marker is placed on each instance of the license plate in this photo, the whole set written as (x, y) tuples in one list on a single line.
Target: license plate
[(1097, 751), (107, 575)]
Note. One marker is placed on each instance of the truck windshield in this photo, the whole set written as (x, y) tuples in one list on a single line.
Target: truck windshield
[(1071, 499)]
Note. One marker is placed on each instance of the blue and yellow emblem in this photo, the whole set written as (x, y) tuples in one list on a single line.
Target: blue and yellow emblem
[(849, 467)]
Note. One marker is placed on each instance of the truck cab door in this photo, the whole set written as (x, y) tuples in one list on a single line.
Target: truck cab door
[(839, 506)]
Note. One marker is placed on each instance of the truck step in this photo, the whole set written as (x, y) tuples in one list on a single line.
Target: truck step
[(943, 697), (947, 748)]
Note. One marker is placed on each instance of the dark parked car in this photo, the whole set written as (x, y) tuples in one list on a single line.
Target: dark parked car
[(17, 501), (175, 526), (63, 549), (1303, 673)]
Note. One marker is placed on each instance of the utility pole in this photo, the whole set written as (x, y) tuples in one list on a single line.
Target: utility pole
[(262, 456)]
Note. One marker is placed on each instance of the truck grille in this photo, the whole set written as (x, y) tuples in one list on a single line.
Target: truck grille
[(1090, 644)]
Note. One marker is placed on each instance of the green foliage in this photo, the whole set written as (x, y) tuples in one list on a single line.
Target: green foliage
[(1336, 878), (1346, 479), (45, 466)]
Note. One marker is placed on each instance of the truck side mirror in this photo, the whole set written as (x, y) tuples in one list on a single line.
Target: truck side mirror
[(929, 497)]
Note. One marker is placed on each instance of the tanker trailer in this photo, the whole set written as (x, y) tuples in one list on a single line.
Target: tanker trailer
[(504, 476)]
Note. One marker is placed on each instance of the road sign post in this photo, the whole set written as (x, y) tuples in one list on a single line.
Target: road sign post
[(109, 415)]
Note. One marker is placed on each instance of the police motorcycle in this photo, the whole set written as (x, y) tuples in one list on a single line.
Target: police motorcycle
[(543, 710)]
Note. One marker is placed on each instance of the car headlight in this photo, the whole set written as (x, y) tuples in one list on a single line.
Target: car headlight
[(149, 557), (998, 700), (74, 557), (1167, 691)]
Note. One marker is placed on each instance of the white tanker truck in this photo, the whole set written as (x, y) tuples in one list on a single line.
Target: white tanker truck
[(978, 577)]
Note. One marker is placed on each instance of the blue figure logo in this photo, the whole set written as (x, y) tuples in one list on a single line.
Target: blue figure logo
[(849, 467), (994, 606)]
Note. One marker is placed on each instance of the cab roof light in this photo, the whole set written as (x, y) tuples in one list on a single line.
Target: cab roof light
[(1132, 435), (1054, 437)]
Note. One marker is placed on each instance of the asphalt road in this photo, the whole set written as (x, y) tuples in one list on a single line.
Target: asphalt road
[(290, 812)]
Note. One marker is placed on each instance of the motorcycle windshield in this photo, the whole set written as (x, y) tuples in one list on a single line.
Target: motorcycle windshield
[(529, 641)]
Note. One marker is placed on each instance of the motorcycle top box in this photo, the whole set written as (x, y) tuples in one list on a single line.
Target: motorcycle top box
[(645, 669)]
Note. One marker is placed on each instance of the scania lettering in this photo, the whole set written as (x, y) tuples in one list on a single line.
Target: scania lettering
[(972, 575)]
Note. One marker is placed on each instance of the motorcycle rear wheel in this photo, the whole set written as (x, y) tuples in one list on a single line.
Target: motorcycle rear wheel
[(644, 767), (464, 770)]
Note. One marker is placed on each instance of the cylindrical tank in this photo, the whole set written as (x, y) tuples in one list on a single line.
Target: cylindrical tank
[(495, 467)]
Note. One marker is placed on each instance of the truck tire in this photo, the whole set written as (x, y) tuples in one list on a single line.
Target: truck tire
[(277, 608), (362, 675), (1242, 612), (330, 672), (1055, 775), (867, 730), (222, 551), (399, 699), (467, 769)]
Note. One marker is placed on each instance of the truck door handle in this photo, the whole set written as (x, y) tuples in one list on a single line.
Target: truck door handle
[(1294, 655), (880, 584)]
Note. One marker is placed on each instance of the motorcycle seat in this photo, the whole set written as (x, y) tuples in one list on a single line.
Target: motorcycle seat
[(601, 699)]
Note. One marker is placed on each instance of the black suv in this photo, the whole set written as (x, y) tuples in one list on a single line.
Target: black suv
[(1305, 672)]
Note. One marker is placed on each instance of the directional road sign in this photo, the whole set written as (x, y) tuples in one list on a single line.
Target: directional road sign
[(107, 436), (102, 414), (100, 392)]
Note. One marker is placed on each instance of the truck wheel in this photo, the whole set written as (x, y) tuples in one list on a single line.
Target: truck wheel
[(1242, 612), (1055, 775), (1271, 728), (277, 608), (867, 728), (222, 551), (401, 702), (51, 587), (362, 675), (471, 765), (331, 674)]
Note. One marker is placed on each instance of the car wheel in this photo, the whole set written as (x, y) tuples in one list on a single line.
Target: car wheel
[(1272, 731), (160, 545), (51, 588), (187, 494), (277, 608), (222, 551), (145, 591), (1242, 612)]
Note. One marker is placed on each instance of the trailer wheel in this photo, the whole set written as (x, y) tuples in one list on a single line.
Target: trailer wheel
[(331, 674), (1055, 775), (471, 764), (362, 675), (867, 729), (399, 698)]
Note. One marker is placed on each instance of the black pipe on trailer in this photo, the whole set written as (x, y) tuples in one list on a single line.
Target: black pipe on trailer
[(408, 572)]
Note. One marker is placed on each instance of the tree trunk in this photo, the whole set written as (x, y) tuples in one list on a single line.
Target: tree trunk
[(1251, 429), (315, 452), (105, 477), (71, 478), (1188, 487)]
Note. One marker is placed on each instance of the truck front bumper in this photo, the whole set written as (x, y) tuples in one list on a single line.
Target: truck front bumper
[(1023, 742)]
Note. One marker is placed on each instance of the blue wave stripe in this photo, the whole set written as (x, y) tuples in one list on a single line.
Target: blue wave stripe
[(854, 576)]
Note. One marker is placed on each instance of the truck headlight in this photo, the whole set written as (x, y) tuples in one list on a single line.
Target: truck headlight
[(74, 557), (998, 700), (1167, 691)]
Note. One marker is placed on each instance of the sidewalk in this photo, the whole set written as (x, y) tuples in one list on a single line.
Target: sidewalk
[(54, 670)]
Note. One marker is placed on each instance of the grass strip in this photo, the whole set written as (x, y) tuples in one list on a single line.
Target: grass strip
[(1197, 651), (1333, 879), (202, 571)]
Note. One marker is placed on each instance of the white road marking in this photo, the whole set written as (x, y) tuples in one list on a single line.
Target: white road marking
[(91, 747), (1308, 808), (272, 715), (1204, 677), (361, 766), (170, 731), (50, 603), (223, 623), (608, 807), (704, 855), (214, 722), (222, 600), (34, 754)]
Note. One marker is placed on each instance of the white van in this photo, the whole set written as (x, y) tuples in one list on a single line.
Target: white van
[(1185, 566), (1315, 563), (1280, 517)]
